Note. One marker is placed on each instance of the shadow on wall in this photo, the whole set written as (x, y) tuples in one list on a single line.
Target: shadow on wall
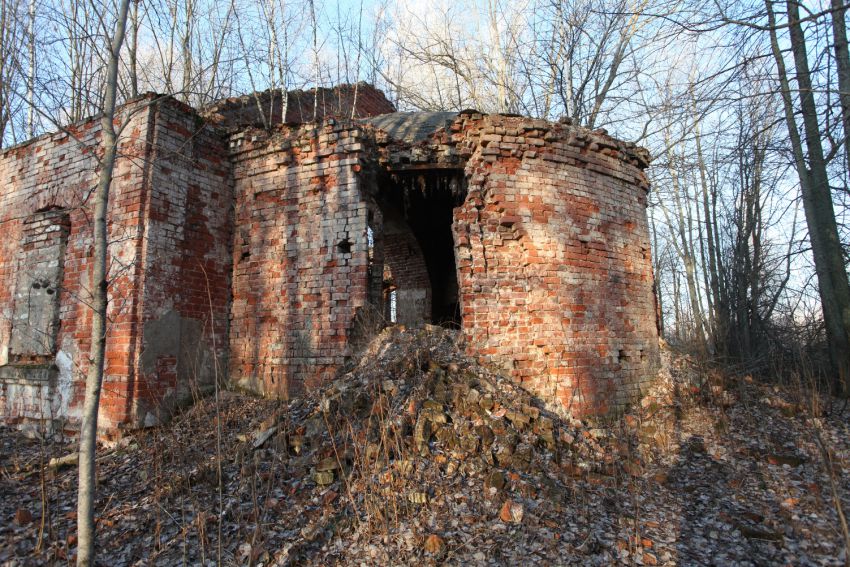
[(301, 272)]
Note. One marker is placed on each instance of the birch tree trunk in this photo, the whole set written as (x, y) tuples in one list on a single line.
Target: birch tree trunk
[(94, 379), (32, 71), (317, 69), (133, 49), (186, 50)]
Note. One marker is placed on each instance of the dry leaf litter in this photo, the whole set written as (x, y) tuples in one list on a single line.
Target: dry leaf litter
[(418, 455)]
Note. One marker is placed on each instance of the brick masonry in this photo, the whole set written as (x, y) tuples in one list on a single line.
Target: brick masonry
[(350, 101), (300, 255), (406, 274), (554, 260), (551, 247), (246, 254), (169, 220)]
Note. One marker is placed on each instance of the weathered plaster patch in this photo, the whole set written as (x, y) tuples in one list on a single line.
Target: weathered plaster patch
[(64, 381), (175, 361)]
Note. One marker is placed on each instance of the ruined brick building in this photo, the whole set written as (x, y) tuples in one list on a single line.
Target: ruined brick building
[(265, 256)]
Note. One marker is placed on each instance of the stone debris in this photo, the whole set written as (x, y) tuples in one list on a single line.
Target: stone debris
[(419, 455), (263, 436), (511, 512), (69, 460), (23, 517), (434, 544)]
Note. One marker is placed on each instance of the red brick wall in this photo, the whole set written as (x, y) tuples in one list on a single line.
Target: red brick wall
[(551, 243), (553, 251), (186, 257), (55, 171), (300, 255), (405, 265), (270, 233), (338, 101), (186, 194)]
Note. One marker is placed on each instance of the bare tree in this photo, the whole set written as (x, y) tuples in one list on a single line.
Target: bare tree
[(682, 238), (810, 163), (277, 53), (10, 42), (84, 80), (715, 187), (842, 66), (94, 379), (32, 70), (133, 50)]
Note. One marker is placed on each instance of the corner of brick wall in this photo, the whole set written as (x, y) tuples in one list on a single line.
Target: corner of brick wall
[(56, 172), (183, 310), (169, 221)]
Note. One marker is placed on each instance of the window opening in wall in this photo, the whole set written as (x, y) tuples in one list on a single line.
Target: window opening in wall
[(394, 306)]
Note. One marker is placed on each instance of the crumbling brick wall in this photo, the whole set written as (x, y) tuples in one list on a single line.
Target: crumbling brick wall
[(185, 258), (551, 245), (554, 260), (344, 101), (248, 255), (163, 204), (49, 173), (300, 257)]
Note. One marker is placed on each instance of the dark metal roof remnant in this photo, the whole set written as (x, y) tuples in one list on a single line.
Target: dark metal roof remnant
[(411, 127)]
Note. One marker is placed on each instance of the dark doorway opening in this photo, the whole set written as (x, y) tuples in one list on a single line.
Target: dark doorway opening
[(420, 274)]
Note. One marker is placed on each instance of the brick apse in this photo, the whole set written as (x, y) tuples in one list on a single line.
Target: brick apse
[(266, 255)]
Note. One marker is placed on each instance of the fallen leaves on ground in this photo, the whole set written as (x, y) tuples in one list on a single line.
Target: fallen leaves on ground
[(418, 455)]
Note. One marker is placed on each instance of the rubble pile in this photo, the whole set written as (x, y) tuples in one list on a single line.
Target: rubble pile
[(418, 435)]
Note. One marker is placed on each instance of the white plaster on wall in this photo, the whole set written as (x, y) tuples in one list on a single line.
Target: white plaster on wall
[(62, 394)]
